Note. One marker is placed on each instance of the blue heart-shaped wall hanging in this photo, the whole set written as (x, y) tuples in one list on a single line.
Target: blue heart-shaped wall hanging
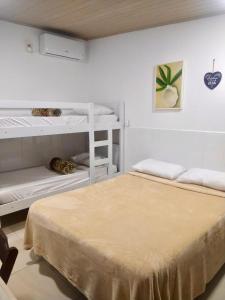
[(212, 79)]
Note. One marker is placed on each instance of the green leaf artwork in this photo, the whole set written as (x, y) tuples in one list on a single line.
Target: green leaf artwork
[(166, 79), (168, 87)]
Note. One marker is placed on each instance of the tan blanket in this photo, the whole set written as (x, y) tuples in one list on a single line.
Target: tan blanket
[(134, 237)]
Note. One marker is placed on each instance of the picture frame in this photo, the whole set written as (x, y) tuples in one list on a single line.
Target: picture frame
[(168, 86)]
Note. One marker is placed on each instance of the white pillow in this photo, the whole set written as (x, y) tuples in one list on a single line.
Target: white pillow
[(205, 177), (98, 110), (159, 168)]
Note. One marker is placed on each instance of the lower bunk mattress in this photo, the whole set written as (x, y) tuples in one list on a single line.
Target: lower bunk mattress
[(39, 181)]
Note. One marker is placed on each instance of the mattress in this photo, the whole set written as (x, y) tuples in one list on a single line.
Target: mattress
[(37, 181), (68, 120), (132, 237)]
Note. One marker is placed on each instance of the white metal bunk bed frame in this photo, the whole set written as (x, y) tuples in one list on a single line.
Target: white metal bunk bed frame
[(90, 127)]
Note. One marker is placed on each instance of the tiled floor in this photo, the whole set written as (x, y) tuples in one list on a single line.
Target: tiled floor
[(34, 279)]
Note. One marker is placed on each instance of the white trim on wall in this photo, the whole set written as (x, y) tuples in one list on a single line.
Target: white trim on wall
[(179, 130)]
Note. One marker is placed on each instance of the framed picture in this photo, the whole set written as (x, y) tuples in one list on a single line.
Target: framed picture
[(168, 86)]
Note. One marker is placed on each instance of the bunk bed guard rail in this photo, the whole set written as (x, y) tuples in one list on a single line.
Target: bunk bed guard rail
[(26, 131)]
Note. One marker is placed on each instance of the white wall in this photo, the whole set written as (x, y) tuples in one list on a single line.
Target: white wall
[(122, 67), (26, 76)]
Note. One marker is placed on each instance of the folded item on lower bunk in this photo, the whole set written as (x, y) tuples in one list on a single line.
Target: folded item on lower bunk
[(100, 171), (84, 160)]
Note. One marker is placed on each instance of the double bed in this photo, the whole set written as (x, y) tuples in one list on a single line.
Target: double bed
[(133, 237)]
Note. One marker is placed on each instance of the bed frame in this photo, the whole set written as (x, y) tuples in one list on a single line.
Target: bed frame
[(90, 127)]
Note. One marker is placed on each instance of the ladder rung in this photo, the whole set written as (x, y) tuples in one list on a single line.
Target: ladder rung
[(102, 161), (101, 143)]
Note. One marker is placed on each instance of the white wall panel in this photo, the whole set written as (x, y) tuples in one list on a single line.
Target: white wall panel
[(189, 148)]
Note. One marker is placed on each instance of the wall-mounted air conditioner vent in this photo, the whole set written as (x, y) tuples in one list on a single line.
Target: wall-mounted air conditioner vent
[(54, 45)]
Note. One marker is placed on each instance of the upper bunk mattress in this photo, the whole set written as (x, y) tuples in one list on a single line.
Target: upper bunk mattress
[(75, 120), (132, 237)]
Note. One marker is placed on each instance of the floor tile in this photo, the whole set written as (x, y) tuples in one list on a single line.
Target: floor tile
[(40, 281)]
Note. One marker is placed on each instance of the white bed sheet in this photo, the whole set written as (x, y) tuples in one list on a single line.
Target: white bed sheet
[(37, 181), (29, 121)]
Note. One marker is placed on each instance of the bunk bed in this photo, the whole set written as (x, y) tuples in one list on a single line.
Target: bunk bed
[(20, 188)]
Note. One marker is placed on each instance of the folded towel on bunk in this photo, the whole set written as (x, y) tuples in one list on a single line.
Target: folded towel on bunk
[(83, 159), (46, 112), (62, 166), (79, 158), (99, 109)]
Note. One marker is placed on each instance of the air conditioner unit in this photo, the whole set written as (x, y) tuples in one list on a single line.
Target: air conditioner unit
[(55, 45)]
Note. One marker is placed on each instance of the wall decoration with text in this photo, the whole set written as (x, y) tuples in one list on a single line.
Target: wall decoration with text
[(168, 89), (212, 79)]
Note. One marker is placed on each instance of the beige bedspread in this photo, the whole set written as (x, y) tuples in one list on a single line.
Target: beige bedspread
[(134, 237)]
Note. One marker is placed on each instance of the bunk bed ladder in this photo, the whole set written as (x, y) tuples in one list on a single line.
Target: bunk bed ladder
[(107, 142), (99, 162)]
